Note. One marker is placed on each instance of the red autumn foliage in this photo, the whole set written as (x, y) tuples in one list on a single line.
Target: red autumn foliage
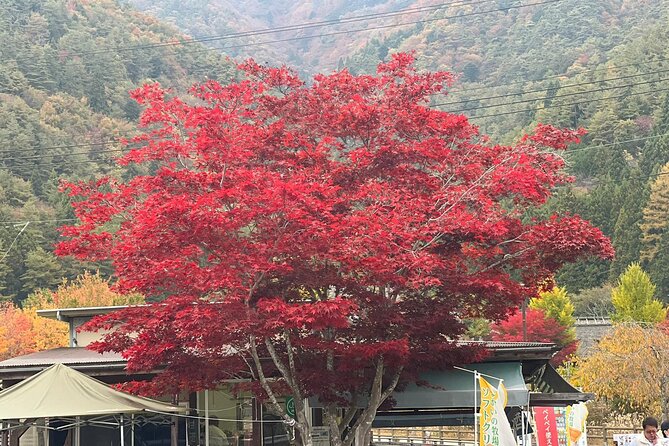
[(540, 328), (342, 228)]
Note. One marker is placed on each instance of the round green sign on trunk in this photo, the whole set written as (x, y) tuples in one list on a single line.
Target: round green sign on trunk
[(290, 406)]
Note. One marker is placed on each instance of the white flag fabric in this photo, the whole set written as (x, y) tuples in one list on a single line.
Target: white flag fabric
[(576, 416), (495, 429)]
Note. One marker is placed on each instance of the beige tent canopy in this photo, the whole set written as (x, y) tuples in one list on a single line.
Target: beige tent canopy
[(61, 392)]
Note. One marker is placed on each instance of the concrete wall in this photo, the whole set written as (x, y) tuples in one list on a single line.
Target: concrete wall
[(589, 331)]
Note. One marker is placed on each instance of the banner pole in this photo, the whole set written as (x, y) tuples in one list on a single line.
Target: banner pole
[(476, 420), (522, 422)]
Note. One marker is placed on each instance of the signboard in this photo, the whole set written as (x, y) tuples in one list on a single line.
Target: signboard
[(290, 406), (625, 439), (320, 436)]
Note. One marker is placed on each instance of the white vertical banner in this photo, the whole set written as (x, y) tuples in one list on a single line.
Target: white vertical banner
[(576, 430)]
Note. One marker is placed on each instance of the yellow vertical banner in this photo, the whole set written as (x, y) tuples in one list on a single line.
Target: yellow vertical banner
[(494, 427), (487, 431)]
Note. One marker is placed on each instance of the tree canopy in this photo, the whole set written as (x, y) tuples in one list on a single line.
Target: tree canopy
[(634, 298), (342, 228), (629, 369)]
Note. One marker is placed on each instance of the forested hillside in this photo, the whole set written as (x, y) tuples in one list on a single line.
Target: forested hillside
[(601, 65), (66, 67)]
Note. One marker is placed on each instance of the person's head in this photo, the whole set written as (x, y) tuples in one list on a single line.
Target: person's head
[(664, 427), (650, 428), (213, 421)]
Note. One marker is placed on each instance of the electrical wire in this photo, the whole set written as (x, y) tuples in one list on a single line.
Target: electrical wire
[(14, 241), (658, 90), (588, 91), (295, 27), (25, 222), (559, 87), (373, 28), (122, 150), (525, 101), (248, 34)]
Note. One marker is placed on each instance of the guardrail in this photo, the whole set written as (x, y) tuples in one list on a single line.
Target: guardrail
[(464, 435)]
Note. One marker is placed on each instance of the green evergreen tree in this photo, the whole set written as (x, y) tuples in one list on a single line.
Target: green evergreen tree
[(659, 268), (43, 270), (627, 235), (655, 152)]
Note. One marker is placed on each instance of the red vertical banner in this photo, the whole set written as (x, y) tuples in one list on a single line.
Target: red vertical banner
[(546, 426)]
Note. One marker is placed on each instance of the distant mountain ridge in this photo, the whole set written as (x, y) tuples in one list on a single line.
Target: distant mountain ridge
[(204, 18)]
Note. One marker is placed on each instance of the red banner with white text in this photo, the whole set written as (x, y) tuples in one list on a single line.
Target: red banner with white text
[(546, 426)]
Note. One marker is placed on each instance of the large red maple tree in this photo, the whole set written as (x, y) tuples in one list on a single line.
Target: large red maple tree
[(322, 240)]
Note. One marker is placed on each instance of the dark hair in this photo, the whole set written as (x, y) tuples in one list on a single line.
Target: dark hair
[(664, 427), (649, 421)]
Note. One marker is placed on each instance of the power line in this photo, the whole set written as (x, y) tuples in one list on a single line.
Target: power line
[(568, 104), (555, 76), (121, 150), (14, 241), (25, 222), (589, 91), (570, 151), (170, 44), (69, 146), (294, 27), (617, 143), (559, 87), (417, 22), (524, 101), (39, 157)]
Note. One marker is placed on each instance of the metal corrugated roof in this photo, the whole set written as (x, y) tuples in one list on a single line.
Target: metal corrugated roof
[(64, 314), (505, 344), (63, 355)]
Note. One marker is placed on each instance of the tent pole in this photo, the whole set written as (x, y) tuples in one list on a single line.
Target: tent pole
[(122, 432), (77, 432)]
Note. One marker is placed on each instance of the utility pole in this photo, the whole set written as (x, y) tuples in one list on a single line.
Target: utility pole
[(523, 309)]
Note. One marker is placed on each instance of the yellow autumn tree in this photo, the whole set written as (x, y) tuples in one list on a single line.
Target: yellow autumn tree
[(556, 304), (629, 370), (22, 331), (87, 290), (633, 298), (655, 216)]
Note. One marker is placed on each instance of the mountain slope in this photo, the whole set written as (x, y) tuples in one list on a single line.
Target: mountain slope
[(66, 67)]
